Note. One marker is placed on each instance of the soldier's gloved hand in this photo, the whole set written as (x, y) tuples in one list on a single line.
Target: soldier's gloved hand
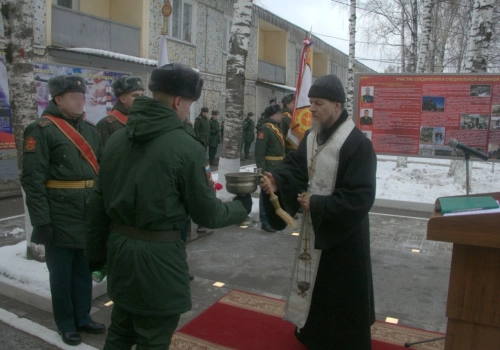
[(246, 200), (95, 265), (42, 234)]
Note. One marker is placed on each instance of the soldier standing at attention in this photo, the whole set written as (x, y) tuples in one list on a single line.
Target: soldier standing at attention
[(288, 102), (139, 205), (202, 127), (126, 89), (60, 162), (214, 137), (269, 151), (248, 134)]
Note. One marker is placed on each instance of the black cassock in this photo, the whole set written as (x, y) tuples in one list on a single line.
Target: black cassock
[(342, 307)]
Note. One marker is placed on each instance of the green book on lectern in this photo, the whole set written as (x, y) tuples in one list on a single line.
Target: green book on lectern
[(458, 204)]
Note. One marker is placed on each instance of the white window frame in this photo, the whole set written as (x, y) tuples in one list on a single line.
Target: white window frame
[(193, 22), (228, 22), (75, 5)]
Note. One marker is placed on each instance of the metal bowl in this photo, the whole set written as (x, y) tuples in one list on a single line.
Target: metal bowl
[(241, 183)]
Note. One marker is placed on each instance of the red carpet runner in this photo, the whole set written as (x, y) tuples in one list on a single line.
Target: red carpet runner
[(247, 321)]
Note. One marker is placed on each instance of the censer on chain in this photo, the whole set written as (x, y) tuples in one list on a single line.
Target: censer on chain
[(304, 256)]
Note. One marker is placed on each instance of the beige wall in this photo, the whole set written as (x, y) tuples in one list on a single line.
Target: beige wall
[(272, 47), (320, 64), (99, 8)]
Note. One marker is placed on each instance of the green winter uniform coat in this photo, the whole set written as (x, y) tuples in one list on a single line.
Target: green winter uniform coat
[(269, 144), (214, 133), (285, 126), (260, 122), (109, 124), (202, 129), (248, 133), (153, 175), (54, 157), (188, 126)]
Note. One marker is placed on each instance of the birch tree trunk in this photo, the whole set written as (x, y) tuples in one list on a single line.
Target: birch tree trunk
[(476, 61), (426, 32), (18, 27), (479, 38), (352, 57), (235, 92)]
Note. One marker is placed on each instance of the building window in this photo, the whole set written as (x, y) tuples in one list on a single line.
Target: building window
[(70, 4), (182, 20), (227, 34), (298, 62)]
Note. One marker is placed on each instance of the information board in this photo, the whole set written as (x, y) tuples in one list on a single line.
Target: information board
[(418, 114)]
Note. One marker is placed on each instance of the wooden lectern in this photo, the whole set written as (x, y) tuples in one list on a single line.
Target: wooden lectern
[(473, 308)]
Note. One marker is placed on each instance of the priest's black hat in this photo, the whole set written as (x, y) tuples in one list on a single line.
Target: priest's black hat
[(329, 87), (178, 80), (62, 84), (122, 85)]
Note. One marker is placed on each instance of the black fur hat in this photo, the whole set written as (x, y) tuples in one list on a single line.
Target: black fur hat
[(178, 80), (62, 84), (288, 98), (122, 85), (271, 110), (204, 109), (250, 114), (215, 112)]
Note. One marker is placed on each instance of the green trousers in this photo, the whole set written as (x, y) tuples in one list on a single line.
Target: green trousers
[(148, 332)]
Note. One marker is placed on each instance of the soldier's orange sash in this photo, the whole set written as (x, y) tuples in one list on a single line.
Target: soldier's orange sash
[(278, 133), (122, 118), (77, 139)]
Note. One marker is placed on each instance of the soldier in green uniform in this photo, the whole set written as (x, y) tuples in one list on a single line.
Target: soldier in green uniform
[(248, 134), (140, 203), (269, 151), (260, 122), (57, 180), (213, 144), (126, 89), (288, 102), (202, 127)]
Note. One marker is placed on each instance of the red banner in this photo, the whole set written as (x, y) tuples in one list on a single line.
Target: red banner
[(419, 114)]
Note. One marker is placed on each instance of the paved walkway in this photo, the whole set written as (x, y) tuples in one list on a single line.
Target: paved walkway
[(410, 273)]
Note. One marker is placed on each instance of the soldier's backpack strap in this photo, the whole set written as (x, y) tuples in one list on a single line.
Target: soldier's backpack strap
[(278, 133), (77, 139), (122, 118)]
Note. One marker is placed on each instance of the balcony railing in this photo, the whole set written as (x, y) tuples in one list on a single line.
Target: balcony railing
[(271, 72), (78, 29)]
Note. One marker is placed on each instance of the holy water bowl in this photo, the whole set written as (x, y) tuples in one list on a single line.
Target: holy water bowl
[(241, 183)]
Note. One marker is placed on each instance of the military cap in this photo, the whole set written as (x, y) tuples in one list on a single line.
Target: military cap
[(271, 110), (204, 109), (215, 112), (178, 80), (62, 84), (272, 99), (287, 99), (250, 114), (329, 87), (122, 85)]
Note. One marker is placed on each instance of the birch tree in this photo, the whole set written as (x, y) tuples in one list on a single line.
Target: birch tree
[(18, 18), (235, 91), (426, 31), (352, 57), (480, 35)]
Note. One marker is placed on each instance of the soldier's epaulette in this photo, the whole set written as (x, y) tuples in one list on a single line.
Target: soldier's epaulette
[(43, 122), (89, 122), (111, 119)]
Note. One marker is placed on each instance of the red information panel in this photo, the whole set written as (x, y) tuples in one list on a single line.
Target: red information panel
[(419, 114)]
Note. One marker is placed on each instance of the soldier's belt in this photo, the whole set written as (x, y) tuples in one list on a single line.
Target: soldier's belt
[(147, 235), (273, 158), (69, 184)]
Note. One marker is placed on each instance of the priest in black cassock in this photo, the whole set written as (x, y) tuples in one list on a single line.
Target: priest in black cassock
[(332, 176)]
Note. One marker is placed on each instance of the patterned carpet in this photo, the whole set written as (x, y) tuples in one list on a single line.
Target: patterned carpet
[(247, 321)]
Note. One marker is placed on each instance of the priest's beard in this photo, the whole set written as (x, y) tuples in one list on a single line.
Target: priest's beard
[(317, 126)]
